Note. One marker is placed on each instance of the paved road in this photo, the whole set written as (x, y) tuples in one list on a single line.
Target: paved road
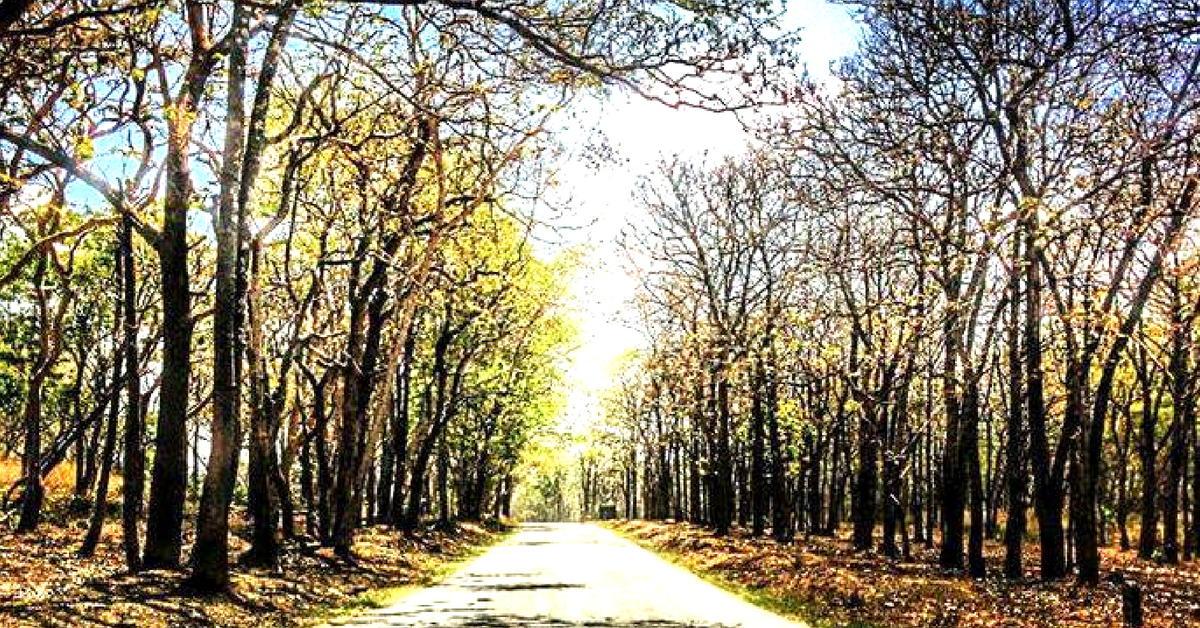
[(563, 575)]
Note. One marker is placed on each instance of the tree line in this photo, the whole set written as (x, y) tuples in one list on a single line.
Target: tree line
[(948, 296), (282, 254)]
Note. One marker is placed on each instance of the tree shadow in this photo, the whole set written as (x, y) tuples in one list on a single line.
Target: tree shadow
[(49, 586), (158, 593), (537, 527), (522, 586), (533, 543), (466, 618)]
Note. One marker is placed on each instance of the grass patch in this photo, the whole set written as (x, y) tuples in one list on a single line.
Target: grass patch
[(468, 554)]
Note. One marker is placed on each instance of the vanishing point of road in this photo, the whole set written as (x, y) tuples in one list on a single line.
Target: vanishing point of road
[(566, 575)]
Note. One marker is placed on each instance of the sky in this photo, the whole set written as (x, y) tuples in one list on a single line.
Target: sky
[(600, 200)]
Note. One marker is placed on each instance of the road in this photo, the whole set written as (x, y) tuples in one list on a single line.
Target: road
[(563, 575)]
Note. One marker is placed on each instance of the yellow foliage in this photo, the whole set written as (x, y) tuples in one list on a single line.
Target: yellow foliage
[(59, 484)]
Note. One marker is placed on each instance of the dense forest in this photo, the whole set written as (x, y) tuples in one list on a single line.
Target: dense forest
[(948, 297), (279, 259)]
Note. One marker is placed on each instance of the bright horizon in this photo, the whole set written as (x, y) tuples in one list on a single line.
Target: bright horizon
[(642, 133)]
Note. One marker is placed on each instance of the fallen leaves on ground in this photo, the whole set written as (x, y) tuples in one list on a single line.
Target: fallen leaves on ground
[(828, 583), (44, 584)]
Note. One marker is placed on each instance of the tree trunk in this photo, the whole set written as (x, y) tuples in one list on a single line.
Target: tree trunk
[(262, 496), (307, 492), (970, 465), (168, 486), (435, 408), (357, 388), (953, 498), (865, 482), (1014, 458), (100, 503), (400, 423), (837, 477), (1048, 488), (82, 453), (781, 508), (31, 415), (134, 462), (1195, 527), (443, 486), (758, 470), (893, 482), (723, 497), (210, 555), (1147, 455), (1177, 457), (324, 472)]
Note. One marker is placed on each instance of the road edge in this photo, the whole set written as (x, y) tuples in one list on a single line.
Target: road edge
[(764, 598), (341, 613)]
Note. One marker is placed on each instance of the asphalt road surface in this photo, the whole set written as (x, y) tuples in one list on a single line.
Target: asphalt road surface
[(564, 575)]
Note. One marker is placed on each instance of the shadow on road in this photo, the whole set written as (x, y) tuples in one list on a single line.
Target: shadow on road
[(495, 620), (537, 527), (559, 544), (522, 586)]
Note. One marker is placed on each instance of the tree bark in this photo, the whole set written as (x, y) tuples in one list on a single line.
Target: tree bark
[(100, 502), (976, 566), (400, 428), (168, 488), (1014, 458), (31, 414), (210, 555), (758, 464), (723, 497), (134, 464)]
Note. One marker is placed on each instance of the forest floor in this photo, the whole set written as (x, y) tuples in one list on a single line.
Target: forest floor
[(44, 584), (822, 581)]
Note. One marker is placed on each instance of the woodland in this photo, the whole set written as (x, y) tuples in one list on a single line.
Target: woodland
[(273, 262), (949, 297), (270, 276)]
